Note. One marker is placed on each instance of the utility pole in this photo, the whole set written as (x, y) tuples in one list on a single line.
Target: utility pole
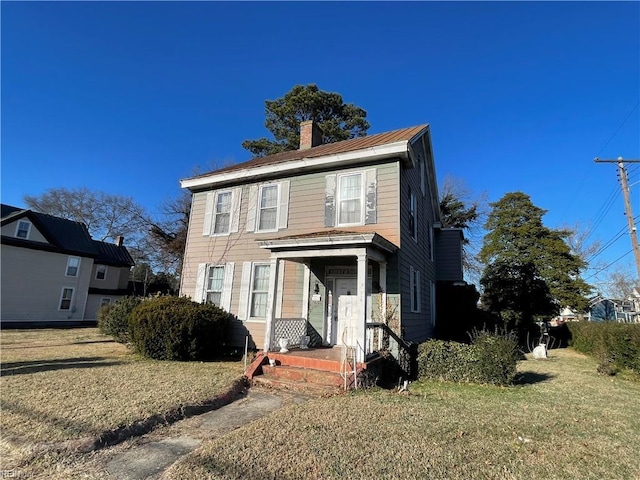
[(627, 206)]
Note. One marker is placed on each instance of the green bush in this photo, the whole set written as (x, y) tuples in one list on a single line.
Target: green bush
[(490, 359), (113, 319), (614, 343), (176, 328)]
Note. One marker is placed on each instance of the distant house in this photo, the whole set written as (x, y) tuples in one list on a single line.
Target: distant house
[(328, 240), (54, 273)]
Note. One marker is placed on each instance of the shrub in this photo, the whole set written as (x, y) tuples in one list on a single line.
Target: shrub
[(176, 328), (614, 343), (113, 319), (491, 359)]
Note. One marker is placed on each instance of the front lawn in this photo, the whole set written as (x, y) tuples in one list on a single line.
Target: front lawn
[(60, 385), (562, 421)]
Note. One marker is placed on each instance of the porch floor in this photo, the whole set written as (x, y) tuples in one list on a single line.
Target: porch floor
[(320, 353)]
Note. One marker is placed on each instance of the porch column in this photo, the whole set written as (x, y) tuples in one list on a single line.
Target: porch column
[(383, 298), (271, 302), (360, 330)]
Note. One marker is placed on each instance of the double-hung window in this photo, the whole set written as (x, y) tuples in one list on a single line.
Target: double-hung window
[(268, 208), (259, 290), (350, 199), (22, 230), (413, 224), (414, 285), (101, 272), (213, 287), (66, 298), (222, 213), (73, 265)]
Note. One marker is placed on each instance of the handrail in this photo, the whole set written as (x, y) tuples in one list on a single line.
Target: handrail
[(405, 355)]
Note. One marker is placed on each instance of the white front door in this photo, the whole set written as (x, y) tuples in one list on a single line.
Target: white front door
[(345, 311)]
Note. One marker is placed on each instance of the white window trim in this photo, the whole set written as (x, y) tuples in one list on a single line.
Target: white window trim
[(28, 229), (214, 213), (66, 270), (363, 198), (251, 292), (413, 276), (73, 294), (98, 266), (259, 207)]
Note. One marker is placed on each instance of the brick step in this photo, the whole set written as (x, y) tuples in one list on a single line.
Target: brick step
[(292, 385), (308, 375)]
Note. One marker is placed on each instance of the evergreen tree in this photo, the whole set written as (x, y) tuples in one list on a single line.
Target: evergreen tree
[(337, 120), (530, 272)]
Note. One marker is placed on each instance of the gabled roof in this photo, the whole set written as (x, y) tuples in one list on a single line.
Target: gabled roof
[(64, 236), (347, 150)]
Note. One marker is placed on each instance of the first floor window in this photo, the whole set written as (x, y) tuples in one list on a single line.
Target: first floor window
[(259, 290), (105, 301), (73, 264), (23, 229), (101, 272), (66, 298), (415, 289), (215, 279)]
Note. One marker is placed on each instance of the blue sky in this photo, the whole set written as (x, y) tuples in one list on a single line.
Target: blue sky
[(129, 98)]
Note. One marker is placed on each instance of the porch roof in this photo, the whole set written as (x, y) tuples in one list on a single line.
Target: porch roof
[(328, 239)]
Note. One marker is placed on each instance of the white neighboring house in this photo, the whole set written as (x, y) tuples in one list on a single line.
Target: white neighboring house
[(54, 273)]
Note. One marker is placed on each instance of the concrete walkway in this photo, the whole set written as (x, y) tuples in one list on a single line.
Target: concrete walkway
[(150, 457)]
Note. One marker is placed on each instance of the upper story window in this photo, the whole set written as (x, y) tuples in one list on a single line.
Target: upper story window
[(413, 224), (351, 198), (222, 212), (101, 272), (23, 228), (268, 209), (73, 265)]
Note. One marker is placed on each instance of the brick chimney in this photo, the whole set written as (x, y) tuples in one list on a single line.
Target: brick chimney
[(310, 135), (119, 240)]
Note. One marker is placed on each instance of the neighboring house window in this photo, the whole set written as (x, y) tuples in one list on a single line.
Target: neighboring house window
[(73, 265), (259, 291), (351, 198), (22, 231), (414, 281), (413, 224), (66, 298), (222, 213), (101, 272), (105, 301), (215, 280), (214, 284), (268, 208)]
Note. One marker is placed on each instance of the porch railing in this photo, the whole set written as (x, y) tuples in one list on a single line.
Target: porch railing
[(380, 338)]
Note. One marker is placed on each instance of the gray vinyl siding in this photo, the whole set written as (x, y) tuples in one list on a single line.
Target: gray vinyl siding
[(416, 327), (449, 255), (306, 215), (32, 283), (34, 234)]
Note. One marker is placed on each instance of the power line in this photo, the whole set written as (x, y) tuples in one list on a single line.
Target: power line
[(618, 129), (607, 266)]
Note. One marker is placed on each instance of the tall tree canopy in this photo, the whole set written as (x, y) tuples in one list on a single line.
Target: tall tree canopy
[(530, 270), (338, 120)]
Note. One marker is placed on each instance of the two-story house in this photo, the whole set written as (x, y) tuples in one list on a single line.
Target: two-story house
[(326, 240), (54, 273)]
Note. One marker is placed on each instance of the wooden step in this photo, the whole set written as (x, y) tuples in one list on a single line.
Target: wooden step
[(302, 387), (308, 375)]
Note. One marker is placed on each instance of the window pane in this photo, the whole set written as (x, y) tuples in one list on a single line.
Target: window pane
[(214, 297), (350, 211), (101, 272), (72, 266), (65, 302), (350, 207), (216, 276), (269, 197), (350, 186), (222, 223), (259, 305), (268, 217), (261, 278), (23, 230), (223, 204), (259, 290)]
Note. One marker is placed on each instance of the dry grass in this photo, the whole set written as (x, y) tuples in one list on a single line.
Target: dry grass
[(61, 385), (562, 421)]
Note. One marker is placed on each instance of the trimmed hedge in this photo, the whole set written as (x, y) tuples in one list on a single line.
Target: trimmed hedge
[(176, 328), (611, 343), (490, 359), (113, 319)]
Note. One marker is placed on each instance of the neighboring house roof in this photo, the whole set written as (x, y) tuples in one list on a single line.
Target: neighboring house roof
[(64, 236), (367, 145)]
